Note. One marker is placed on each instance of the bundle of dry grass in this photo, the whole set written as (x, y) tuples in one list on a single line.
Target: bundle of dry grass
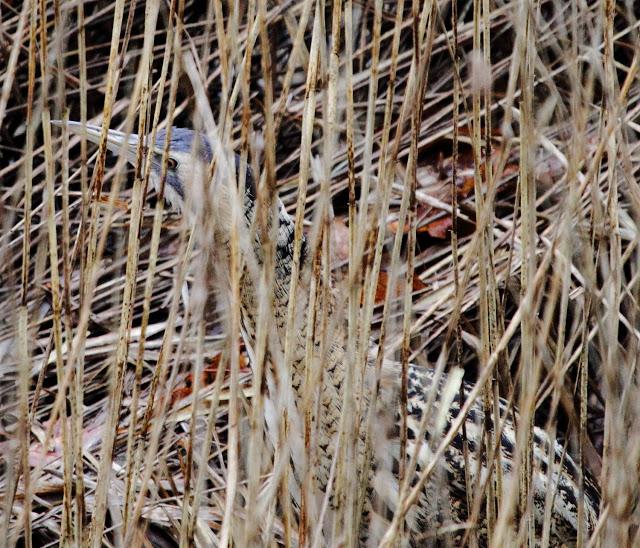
[(467, 172)]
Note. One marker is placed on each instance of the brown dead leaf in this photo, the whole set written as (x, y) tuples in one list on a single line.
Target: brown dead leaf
[(207, 378), (383, 282)]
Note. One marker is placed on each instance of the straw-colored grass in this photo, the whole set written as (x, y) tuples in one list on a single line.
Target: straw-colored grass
[(466, 173)]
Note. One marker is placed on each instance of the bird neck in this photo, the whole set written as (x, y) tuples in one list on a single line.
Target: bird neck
[(309, 369), (270, 268), (265, 296)]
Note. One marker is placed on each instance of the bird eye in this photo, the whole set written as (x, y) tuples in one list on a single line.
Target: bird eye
[(172, 163)]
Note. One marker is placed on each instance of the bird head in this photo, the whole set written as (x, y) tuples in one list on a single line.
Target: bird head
[(188, 163)]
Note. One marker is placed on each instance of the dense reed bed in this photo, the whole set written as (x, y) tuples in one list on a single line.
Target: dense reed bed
[(466, 173)]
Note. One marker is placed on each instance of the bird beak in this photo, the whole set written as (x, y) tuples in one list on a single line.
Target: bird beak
[(117, 141)]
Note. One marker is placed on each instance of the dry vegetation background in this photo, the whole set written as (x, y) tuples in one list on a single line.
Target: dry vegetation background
[(490, 150)]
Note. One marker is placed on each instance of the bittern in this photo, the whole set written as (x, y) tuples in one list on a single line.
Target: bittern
[(444, 505)]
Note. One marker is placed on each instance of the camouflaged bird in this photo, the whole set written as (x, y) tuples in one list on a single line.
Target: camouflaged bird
[(433, 401)]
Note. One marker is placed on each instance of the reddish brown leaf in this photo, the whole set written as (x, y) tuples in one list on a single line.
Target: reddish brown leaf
[(439, 228), (207, 377), (383, 282)]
